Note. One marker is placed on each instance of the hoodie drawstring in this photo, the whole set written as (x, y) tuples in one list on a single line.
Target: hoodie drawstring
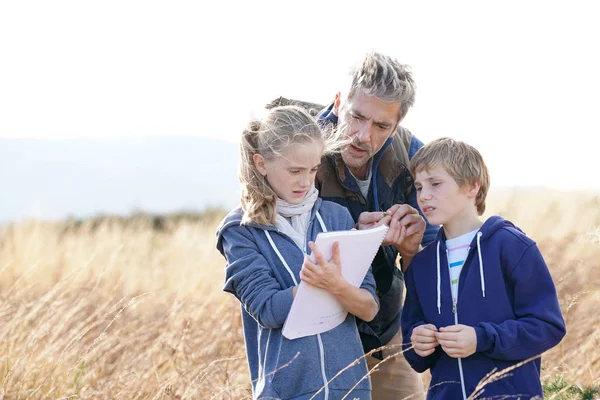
[(480, 264), (439, 281)]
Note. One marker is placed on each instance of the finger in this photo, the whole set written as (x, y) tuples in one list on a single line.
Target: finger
[(336, 254), (402, 234), (366, 218), (404, 210), (305, 275), (311, 268), (426, 339), (422, 346), (385, 220), (450, 352), (318, 255), (447, 335), (425, 353), (415, 229), (452, 328), (392, 210), (426, 330), (450, 344)]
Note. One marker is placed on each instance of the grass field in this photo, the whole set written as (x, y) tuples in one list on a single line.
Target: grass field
[(132, 308)]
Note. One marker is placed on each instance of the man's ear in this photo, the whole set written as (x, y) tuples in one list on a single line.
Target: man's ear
[(336, 105), (259, 163)]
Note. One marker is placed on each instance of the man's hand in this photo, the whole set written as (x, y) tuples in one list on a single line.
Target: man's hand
[(324, 274), (368, 220), (424, 339), (406, 231), (458, 341)]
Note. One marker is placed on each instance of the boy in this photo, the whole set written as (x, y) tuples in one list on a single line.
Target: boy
[(480, 298)]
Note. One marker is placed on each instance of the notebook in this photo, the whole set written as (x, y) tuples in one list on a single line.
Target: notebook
[(316, 310)]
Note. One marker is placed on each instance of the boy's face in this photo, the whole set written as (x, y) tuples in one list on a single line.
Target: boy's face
[(442, 201)]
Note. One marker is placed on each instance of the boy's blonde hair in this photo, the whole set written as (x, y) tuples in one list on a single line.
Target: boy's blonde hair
[(462, 161), (279, 129)]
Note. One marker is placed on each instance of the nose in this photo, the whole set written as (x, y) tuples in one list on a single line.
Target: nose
[(305, 180), (424, 194), (363, 133)]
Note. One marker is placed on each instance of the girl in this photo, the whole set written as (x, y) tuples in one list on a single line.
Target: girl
[(265, 242)]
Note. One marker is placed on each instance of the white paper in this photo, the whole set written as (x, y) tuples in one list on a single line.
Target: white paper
[(316, 310)]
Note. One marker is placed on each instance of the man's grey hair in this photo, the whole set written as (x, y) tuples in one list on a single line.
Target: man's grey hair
[(385, 78)]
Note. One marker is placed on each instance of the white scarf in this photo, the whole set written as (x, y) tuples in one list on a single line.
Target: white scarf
[(297, 228)]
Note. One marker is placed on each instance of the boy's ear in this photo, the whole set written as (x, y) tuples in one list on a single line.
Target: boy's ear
[(259, 163), (473, 189)]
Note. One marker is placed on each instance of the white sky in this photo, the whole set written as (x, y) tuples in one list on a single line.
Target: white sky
[(520, 80)]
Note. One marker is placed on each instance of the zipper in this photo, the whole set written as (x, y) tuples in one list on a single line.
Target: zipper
[(322, 355), (455, 312)]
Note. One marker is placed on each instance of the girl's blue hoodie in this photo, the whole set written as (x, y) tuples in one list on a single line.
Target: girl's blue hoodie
[(282, 368), (505, 292)]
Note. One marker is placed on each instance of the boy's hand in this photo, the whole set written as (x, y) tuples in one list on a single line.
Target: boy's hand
[(424, 339), (458, 341)]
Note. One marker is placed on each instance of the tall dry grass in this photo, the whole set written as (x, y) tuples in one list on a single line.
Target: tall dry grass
[(133, 309)]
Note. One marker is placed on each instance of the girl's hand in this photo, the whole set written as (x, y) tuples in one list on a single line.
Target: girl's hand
[(324, 274)]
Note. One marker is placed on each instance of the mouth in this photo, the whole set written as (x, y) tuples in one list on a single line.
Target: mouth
[(428, 209), (359, 151), (299, 193)]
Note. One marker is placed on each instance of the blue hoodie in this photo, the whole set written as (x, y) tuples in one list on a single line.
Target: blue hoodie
[(258, 278), (505, 292)]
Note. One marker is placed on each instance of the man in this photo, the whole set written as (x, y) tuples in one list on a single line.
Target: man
[(370, 177), (370, 174)]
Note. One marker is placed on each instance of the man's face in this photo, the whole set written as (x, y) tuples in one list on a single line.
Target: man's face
[(368, 122)]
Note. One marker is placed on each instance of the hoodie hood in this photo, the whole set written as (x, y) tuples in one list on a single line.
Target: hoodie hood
[(485, 233), (234, 218), (488, 229)]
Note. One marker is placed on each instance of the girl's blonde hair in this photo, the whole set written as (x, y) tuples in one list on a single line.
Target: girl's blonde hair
[(279, 129), (461, 161)]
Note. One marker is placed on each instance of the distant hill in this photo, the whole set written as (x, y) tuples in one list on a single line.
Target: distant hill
[(53, 179)]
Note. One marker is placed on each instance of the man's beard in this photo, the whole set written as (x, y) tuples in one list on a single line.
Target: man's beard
[(353, 161)]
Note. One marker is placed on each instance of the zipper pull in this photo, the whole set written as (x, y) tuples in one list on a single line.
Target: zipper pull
[(454, 307)]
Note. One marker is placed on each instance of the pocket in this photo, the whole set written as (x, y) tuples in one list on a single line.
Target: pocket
[(505, 382), (297, 374)]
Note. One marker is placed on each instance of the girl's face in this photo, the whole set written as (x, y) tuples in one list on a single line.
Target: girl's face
[(292, 173)]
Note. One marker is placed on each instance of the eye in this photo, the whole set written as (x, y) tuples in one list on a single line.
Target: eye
[(434, 184), (382, 127), (294, 171), (418, 188)]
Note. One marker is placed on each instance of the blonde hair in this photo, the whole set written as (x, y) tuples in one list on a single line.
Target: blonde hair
[(462, 161), (385, 78), (280, 128)]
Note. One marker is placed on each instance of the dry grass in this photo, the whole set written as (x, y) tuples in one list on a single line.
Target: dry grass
[(134, 310)]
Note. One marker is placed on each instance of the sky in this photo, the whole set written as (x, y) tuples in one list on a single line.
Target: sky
[(518, 80)]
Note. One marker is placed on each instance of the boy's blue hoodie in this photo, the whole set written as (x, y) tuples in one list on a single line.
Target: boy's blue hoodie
[(505, 292), (257, 277)]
